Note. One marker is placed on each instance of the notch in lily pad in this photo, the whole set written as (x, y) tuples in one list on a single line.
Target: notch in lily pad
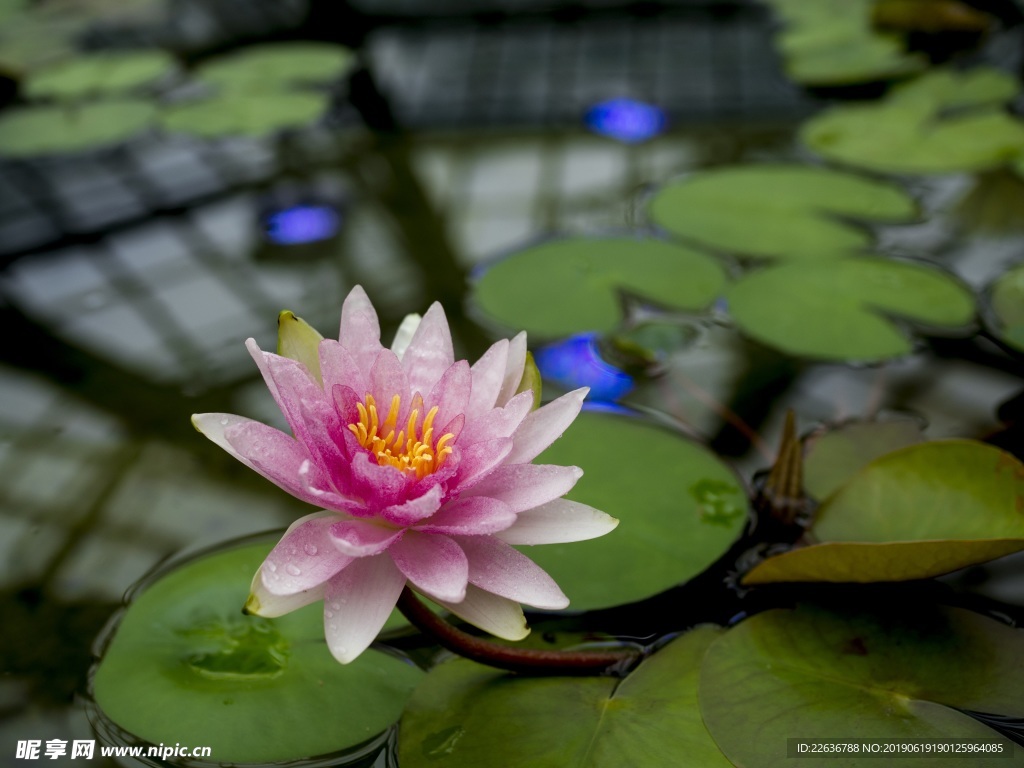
[(185, 665), (846, 309), (779, 212), (574, 285)]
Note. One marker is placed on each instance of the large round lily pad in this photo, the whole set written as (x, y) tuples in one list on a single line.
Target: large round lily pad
[(276, 66), (894, 674), (778, 211), (679, 508), (569, 286), (49, 130), (838, 308), (185, 666), (1007, 306), (101, 73), (465, 715), (249, 114), (915, 513)]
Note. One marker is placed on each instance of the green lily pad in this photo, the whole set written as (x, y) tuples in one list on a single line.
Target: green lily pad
[(49, 130), (813, 674), (927, 126), (277, 66), (950, 89), (914, 513), (462, 710), (569, 286), (834, 458), (838, 309), (249, 114), (99, 74), (1007, 305), (679, 508), (778, 211), (185, 666), (833, 42)]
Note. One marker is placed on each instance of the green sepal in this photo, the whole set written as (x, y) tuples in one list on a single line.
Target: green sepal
[(298, 340)]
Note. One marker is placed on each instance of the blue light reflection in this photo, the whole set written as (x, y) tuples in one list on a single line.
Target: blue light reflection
[(298, 224), (626, 120), (576, 362)]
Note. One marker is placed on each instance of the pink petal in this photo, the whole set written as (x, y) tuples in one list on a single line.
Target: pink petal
[(430, 353), (339, 369), (357, 602), (478, 460), (470, 516), (558, 522), (362, 538), (262, 602), (500, 422), (488, 375), (416, 509), (434, 564), (381, 486), (451, 394), (545, 425), (387, 379), (275, 455), (525, 486), (514, 365), (360, 330), (304, 558), (310, 415), (496, 567), (497, 615)]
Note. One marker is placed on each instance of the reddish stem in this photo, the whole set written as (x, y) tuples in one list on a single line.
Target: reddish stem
[(525, 660)]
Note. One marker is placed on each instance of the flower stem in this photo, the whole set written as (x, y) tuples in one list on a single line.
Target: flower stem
[(524, 660)]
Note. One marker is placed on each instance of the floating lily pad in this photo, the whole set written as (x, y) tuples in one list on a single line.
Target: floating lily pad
[(839, 309), (250, 114), (953, 89), (915, 513), (569, 286), (679, 508), (462, 710), (835, 457), (778, 211), (894, 675), (99, 74), (927, 126), (49, 130), (1007, 305), (274, 66), (185, 666), (833, 42)]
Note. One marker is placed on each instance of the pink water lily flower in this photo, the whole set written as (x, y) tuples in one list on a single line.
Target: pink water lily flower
[(422, 468)]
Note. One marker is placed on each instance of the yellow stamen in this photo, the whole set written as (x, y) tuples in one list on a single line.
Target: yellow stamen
[(410, 450)]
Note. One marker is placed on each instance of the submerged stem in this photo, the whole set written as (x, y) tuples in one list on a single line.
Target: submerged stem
[(526, 660)]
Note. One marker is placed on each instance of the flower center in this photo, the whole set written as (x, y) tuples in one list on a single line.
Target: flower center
[(412, 449)]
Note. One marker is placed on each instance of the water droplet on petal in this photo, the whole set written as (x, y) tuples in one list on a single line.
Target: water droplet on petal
[(223, 422), (271, 566), (333, 626), (328, 614), (293, 570), (336, 606), (310, 550)]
